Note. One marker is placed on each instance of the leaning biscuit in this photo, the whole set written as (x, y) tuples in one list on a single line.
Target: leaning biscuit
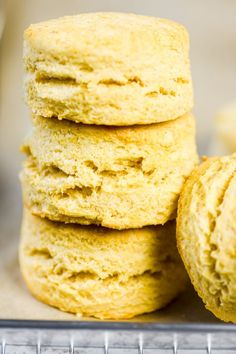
[(206, 234), (108, 68), (118, 177), (93, 271)]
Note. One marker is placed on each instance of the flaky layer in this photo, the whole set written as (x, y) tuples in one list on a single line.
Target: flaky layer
[(99, 272), (108, 68), (116, 177), (206, 233)]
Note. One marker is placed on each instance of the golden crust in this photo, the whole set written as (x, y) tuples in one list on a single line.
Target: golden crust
[(115, 177), (100, 272), (108, 68), (206, 233), (89, 33)]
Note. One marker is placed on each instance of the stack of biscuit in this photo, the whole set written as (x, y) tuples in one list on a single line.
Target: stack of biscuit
[(112, 144)]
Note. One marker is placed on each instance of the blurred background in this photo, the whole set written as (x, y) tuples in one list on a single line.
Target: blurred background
[(211, 25)]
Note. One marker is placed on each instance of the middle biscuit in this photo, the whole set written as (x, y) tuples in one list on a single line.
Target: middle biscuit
[(118, 177)]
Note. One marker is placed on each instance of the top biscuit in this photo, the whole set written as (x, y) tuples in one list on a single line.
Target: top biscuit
[(108, 68)]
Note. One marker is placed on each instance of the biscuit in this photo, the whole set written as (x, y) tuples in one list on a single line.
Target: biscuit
[(206, 234), (117, 177), (226, 126), (93, 271), (108, 68)]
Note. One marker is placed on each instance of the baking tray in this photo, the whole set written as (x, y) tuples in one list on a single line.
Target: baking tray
[(29, 326)]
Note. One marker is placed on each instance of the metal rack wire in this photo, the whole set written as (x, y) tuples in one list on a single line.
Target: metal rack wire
[(74, 347), (37, 349)]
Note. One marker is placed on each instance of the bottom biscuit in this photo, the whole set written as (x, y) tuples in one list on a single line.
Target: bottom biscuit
[(94, 271)]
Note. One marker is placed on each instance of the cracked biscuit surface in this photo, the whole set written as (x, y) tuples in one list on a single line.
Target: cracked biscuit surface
[(94, 271), (108, 68), (206, 233), (118, 177)]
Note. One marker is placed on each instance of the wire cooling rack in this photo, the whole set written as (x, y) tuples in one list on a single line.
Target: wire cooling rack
[(47, 337)]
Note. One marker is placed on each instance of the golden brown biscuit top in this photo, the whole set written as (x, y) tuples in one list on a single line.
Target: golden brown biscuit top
[(106, 33)]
